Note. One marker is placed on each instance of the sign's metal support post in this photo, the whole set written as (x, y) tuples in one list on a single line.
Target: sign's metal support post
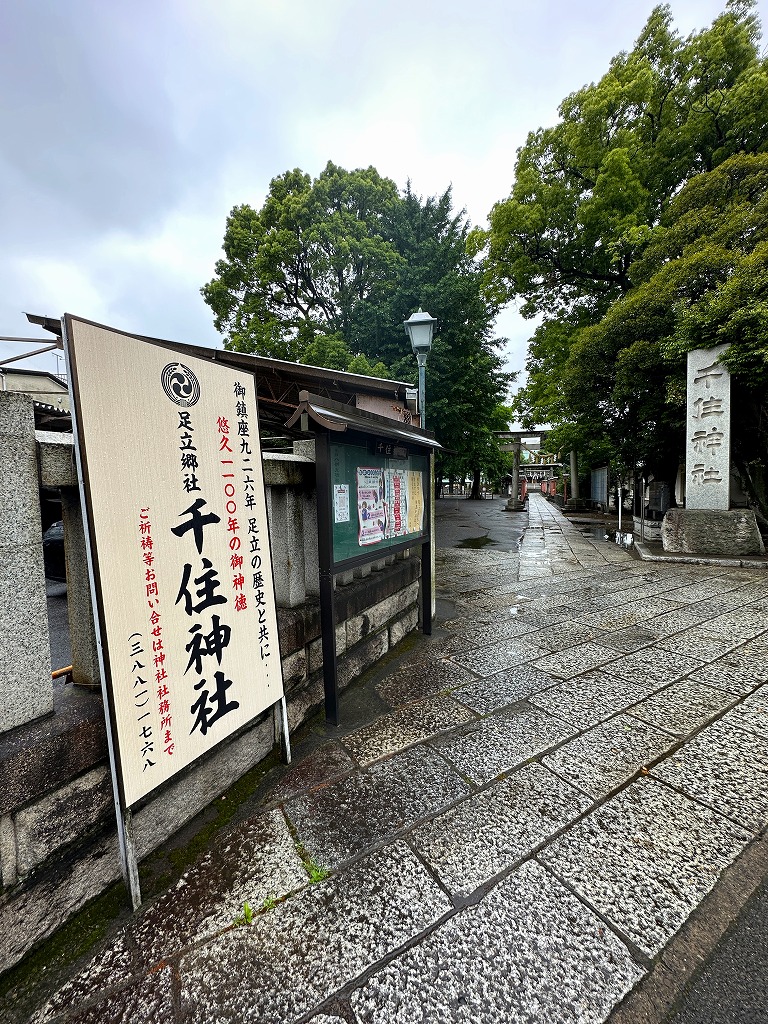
[(128, 863), (131, 864), (325, 556), (282, 734)]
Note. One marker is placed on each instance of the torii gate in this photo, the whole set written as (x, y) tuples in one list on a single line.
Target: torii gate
[(513, 441)]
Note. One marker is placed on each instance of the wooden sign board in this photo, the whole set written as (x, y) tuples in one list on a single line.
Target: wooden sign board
[(171, 460)]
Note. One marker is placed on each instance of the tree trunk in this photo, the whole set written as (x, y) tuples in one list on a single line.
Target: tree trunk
[(475, 493)]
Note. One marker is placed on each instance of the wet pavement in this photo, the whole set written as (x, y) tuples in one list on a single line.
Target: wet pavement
[(549, 811), (58, 624)]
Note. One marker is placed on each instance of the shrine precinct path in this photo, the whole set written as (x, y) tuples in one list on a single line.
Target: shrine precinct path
[(547, 812)]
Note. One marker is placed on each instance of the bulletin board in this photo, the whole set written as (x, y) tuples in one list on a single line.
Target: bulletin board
[(378, 498)]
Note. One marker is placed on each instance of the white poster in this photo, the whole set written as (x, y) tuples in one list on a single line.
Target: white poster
[(371, 505), (415, 502), (341, 503), (172, 463)]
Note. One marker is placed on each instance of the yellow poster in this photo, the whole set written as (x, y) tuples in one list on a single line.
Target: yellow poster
[(415, 502)]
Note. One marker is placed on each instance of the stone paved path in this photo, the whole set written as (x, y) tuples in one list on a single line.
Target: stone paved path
[(566, 771)]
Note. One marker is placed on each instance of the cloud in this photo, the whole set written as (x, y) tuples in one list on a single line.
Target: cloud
[(130, 130)]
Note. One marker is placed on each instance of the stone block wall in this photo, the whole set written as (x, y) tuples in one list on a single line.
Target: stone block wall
[(58, 842)]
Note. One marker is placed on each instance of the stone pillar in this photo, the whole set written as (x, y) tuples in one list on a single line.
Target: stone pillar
[(286, 532), (26, 688), (708, 442), (82, 631), (707, 525), (311, 553), (57, 469)]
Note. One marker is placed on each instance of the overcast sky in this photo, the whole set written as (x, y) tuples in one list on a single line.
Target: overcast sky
[(128, 131)]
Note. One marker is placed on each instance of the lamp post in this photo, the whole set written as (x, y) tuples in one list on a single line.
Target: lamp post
[(419, 327)]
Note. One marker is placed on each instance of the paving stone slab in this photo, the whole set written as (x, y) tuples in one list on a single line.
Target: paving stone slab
[(486, 833), (609, 754), (146, 1000), (420, 680), (752, 714), (497, 576), (674, 622), (645, 860), (653, 591), (466, 639), (503, 689), (747, 623), (529, 952), (752, 657), (344, 818), (682, 707), (703, 642), (625, 583), (110, 967), (554, 603), (631, 613), (722, 769), (256, 860), (724, 674), (487, 661), (702, 591), (629, 639), (535, 571), (404, 727), (590, 698), (581, 608), (297, 955), (327, 762), (569, 663), (501, 742), (720, 605), (729, 733), (655, 666), (566, 635)]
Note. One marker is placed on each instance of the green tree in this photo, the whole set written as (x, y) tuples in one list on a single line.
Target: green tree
[(326, 273), (702, 281), (589, 195), (302, 264)]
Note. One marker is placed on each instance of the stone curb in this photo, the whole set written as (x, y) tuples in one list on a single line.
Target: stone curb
[(646, 555), (655, 997)]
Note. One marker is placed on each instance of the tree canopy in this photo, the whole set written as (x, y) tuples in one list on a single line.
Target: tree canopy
[(327, 271), (636, 228)]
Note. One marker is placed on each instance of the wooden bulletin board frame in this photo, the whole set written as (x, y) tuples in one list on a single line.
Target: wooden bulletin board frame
[(333, 551), (379, 496)]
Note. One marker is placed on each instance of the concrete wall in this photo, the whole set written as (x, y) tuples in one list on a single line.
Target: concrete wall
[(58, 843)]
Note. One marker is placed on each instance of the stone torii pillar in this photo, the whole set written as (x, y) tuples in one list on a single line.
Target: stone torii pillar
[(514, 504)]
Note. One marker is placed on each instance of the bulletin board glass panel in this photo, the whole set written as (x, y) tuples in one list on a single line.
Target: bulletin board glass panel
[(378, 495)]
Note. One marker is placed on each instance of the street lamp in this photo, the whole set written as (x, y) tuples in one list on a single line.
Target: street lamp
[(419, 327)]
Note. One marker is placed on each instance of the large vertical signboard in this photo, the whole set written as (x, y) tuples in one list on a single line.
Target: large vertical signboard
[(171, 460), (708, 451)]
